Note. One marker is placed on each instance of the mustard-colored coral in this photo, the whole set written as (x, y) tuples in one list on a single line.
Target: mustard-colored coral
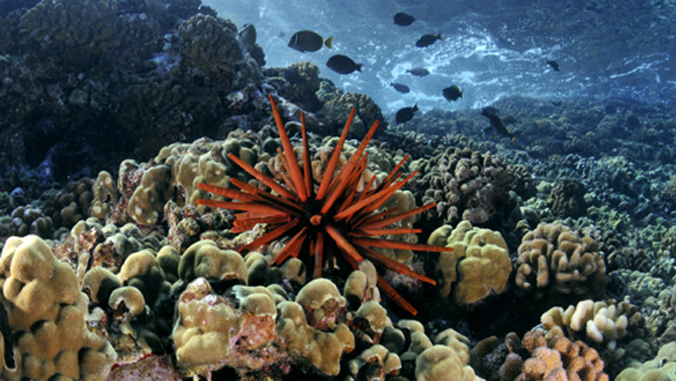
[(387, 362), (323, 303), (46, 312), (478, 265), (204, 327), (105, 196), (322, 349), (441, 363), (147, 202), (211, 331), (205, 259)]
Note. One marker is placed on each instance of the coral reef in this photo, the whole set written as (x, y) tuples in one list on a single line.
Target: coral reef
[(132, 277)]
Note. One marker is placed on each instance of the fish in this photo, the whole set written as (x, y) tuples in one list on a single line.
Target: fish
[(496, 123), (400, 88), (343, 64), (556, 103), (419, 72), (405, 114), (553, 64), (509, 119), (428, 40), (309, 41), (403, 19), (247, 38), (452, 93), (633, 121)]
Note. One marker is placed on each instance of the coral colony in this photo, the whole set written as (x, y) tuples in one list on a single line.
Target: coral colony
[(333, 217)]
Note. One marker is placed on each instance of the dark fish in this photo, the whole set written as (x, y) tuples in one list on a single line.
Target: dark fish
[(492, 110), (309, 41), (419, 72), (497, 125), (452, 93), (556, 103), (247, 38), (401, 88), (509, 119), (427, 40), (633, 121), (342, 64), (406, 114), (553, 64), (403, 19)]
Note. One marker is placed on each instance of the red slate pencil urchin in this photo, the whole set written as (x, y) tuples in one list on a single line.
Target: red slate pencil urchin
[(332, 220)]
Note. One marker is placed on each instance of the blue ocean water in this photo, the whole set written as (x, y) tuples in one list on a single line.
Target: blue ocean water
[(490, 48)]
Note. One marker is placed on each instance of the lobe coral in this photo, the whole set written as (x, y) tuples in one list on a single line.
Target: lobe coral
[(326, 221)]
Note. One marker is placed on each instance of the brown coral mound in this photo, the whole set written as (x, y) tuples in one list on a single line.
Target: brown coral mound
[(332, 222), (560, 359), (567, 198), (553, 258), (209, 43), (466, 185)]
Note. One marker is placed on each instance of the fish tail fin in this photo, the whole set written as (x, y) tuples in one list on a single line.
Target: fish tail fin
[(440, 36), (461, 95), (329, 42), (513, 138), (359, 67)]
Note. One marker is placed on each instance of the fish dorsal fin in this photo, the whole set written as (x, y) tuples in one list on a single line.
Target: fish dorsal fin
[(328, 42)]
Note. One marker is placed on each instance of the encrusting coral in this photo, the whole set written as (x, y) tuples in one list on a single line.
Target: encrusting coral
[(330, 222)]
